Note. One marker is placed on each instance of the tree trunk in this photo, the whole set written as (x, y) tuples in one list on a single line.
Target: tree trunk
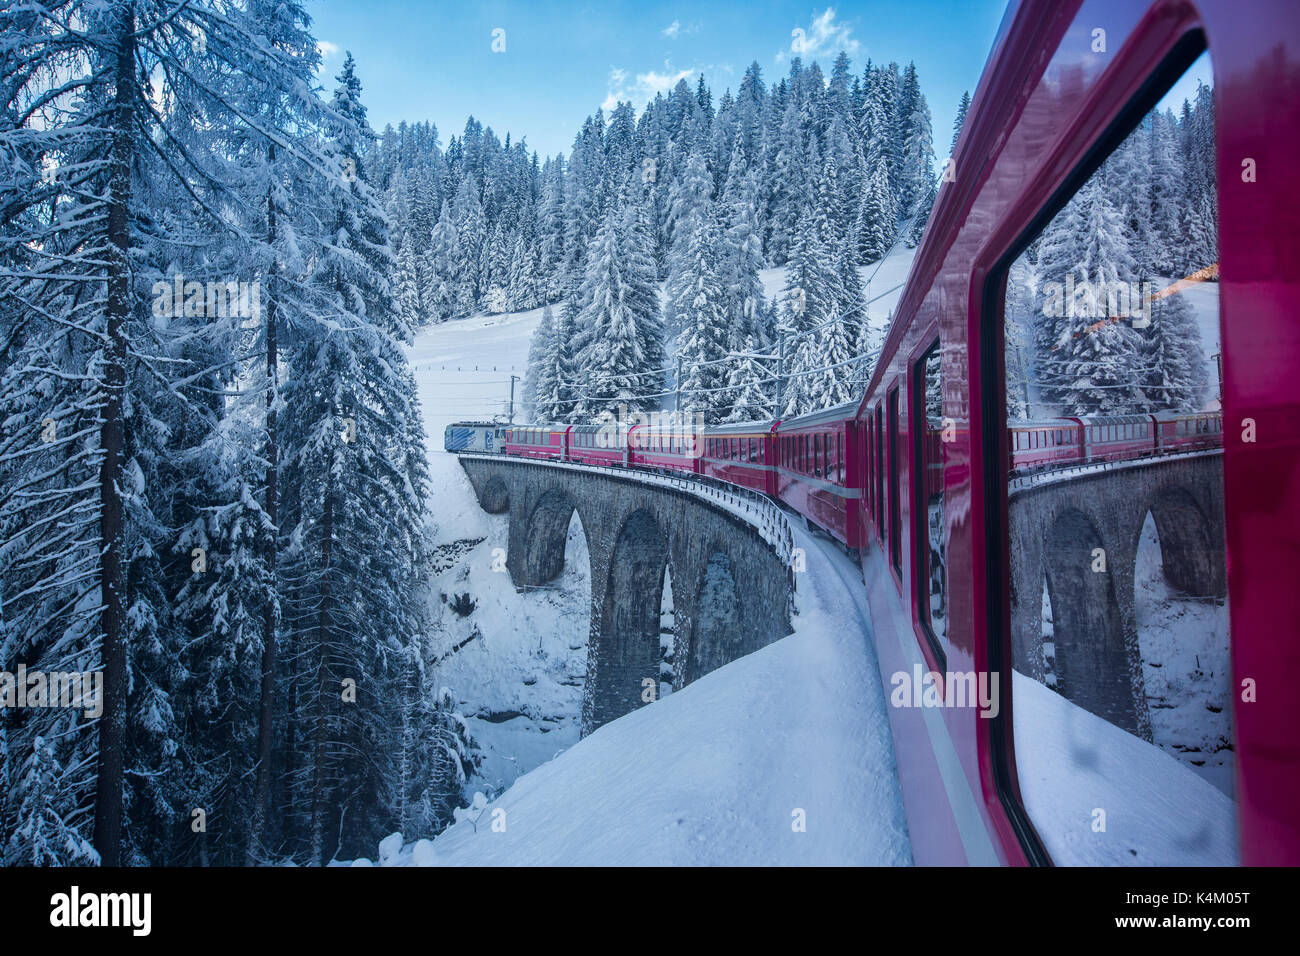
[(320, 743), (262, 786), (112, 723)]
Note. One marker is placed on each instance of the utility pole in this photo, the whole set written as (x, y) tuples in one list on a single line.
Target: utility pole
[(1024, 380), (677, 387), (780, 375), (511, 415)]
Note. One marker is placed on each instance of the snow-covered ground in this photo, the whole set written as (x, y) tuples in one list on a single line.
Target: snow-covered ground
[(1100, 796), (782, 757), (515, 664), (1186, 667)]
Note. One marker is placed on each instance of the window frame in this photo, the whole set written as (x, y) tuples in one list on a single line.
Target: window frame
[(989, 292), (893, 415), (932, 643)]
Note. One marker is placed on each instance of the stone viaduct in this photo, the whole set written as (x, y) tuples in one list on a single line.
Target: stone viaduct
[(732, 590), (1079, 531)]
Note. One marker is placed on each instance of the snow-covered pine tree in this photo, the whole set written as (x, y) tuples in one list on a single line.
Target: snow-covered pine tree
[(550, 231), (494, 268), (619, 302), (1171, 359), (471, 235), (809, 298), (407, 281), (1086, 361), (963, 105), (539, 347), (442, 269), (354, 473), (557, 398), (741, 256), (876, 221), (690, 203), (749, 390), (702, 345)]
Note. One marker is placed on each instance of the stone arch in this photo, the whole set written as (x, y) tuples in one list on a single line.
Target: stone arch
[(1191, 546), (626, 652), (715, 633), (495, 498), (1093, 663), (545, 536)]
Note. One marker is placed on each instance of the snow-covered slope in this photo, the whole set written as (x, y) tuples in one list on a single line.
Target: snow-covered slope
[(881, 281), (516, 662), (781, 757), (463, 369), (1099, 796)]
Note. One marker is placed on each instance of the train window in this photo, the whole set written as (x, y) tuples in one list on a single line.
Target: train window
[(1118, 638), (880, 474), (931, 588), (817, 456), (869, 486), (895, 506)]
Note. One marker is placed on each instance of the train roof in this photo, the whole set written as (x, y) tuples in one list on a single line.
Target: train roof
[(841, 412), (746, 428), (1116, 420), (1043, 423)]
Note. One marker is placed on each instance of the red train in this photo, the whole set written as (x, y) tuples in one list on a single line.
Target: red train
[(817, 463), (1061, 442), (919, 483)]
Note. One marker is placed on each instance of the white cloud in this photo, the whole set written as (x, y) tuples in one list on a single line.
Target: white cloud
[(822, 36), (327, 49), (675, 29), (643, 89)]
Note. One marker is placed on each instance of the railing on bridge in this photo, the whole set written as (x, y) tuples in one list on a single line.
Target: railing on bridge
[(1050, 475), (755, 509)]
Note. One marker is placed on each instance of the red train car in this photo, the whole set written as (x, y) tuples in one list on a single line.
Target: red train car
[(1019, 780), (536, 441), (598, 444), (743, 454), (817, 470), (1045, 443), (1117, 437), (1178, 433), (665, 448)]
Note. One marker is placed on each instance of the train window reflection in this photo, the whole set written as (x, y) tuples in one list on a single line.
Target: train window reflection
[(1119, 634), (931, 568)]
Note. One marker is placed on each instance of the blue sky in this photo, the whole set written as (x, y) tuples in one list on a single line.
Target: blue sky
[(434, 60)]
